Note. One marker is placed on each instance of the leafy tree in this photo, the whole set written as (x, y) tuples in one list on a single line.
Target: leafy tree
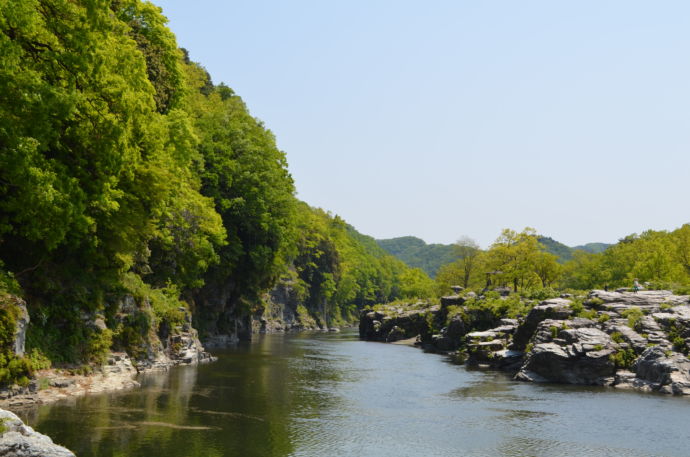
[(467, 251)]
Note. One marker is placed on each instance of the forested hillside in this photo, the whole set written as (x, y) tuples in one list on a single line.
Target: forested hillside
[(133, 188), (431, 257), (566, 253), (417, 254)]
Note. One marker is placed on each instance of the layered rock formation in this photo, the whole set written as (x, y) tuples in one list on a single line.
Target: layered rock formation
[(627, 340)]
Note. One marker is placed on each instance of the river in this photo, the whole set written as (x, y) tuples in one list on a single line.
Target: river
[(328, 395)]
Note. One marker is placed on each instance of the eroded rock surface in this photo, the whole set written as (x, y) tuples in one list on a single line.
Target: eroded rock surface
[(627, 340), (20, 440)]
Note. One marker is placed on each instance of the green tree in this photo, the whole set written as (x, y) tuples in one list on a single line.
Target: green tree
[(468, 252)]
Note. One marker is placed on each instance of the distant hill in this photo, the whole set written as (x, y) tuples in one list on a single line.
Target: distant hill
[(593, 248), (417, 254), (565, 253), (430, 257)]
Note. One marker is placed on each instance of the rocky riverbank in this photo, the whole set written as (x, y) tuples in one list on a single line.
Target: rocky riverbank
[(619, 339), (181, 347)]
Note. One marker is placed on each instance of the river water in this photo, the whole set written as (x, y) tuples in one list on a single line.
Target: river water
[(328, 395)]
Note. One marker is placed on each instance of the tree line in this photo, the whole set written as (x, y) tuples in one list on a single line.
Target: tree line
[(519, 261)]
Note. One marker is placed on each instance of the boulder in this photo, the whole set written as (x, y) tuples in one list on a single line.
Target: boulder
[(20, 440), (411, 321), (451, 337), (452, 300), (661, 370), (396, 334), (574, 356), (555, 308)]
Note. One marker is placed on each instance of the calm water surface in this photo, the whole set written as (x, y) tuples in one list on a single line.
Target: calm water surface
[(312, 395)]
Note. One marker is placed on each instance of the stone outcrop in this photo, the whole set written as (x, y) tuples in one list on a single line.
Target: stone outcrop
[(22, 320), (164, 349), (569, 355), (628, 340), (394, 323), (19, 440), (556, 308), (663, 371)]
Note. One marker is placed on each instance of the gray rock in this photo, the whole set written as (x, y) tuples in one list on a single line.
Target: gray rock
[(629, 336), (396, 334), (20, 440), (642, 299), (18, 344), (555, 308), (377, 325), (666, 372), (451, 337), (576, 356), (452, 300)]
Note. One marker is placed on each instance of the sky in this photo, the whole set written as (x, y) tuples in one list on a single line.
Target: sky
[(442, 119)]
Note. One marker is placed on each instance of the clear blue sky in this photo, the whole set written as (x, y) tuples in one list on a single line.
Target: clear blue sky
[(447, 118)]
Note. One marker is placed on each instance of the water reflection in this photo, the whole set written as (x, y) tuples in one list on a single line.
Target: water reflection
[(332, 395)]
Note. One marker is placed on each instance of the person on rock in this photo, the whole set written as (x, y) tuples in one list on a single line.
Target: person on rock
[(636, 285)]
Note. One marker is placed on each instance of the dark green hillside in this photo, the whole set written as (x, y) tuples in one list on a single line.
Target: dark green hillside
[(563, 252), (417, 254), (593, 248)]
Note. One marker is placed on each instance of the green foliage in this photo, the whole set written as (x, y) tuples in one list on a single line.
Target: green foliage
[(625, 358), (554, 331), (540, 293), (560, 250), (414, 283), (342, 270), (38, 360), (518, 259), (658, 257), (245, 175), (603, 318), (617, 337), (14, 369), (633, 315), (675, 337), (499, 307)]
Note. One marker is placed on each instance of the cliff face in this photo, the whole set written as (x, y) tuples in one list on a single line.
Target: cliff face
[(626, 340), (223, 322)]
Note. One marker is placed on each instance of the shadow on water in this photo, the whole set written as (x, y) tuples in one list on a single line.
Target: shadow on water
[(320, 395)]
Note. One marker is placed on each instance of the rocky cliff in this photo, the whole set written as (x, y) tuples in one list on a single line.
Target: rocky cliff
[(620, 339)]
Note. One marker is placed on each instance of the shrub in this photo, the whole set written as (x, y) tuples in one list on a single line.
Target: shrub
[(594, 302), (623, 358), (617, 337), (674, 335), (634, 315), (554, 331), (541, 294), (603, 318)]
